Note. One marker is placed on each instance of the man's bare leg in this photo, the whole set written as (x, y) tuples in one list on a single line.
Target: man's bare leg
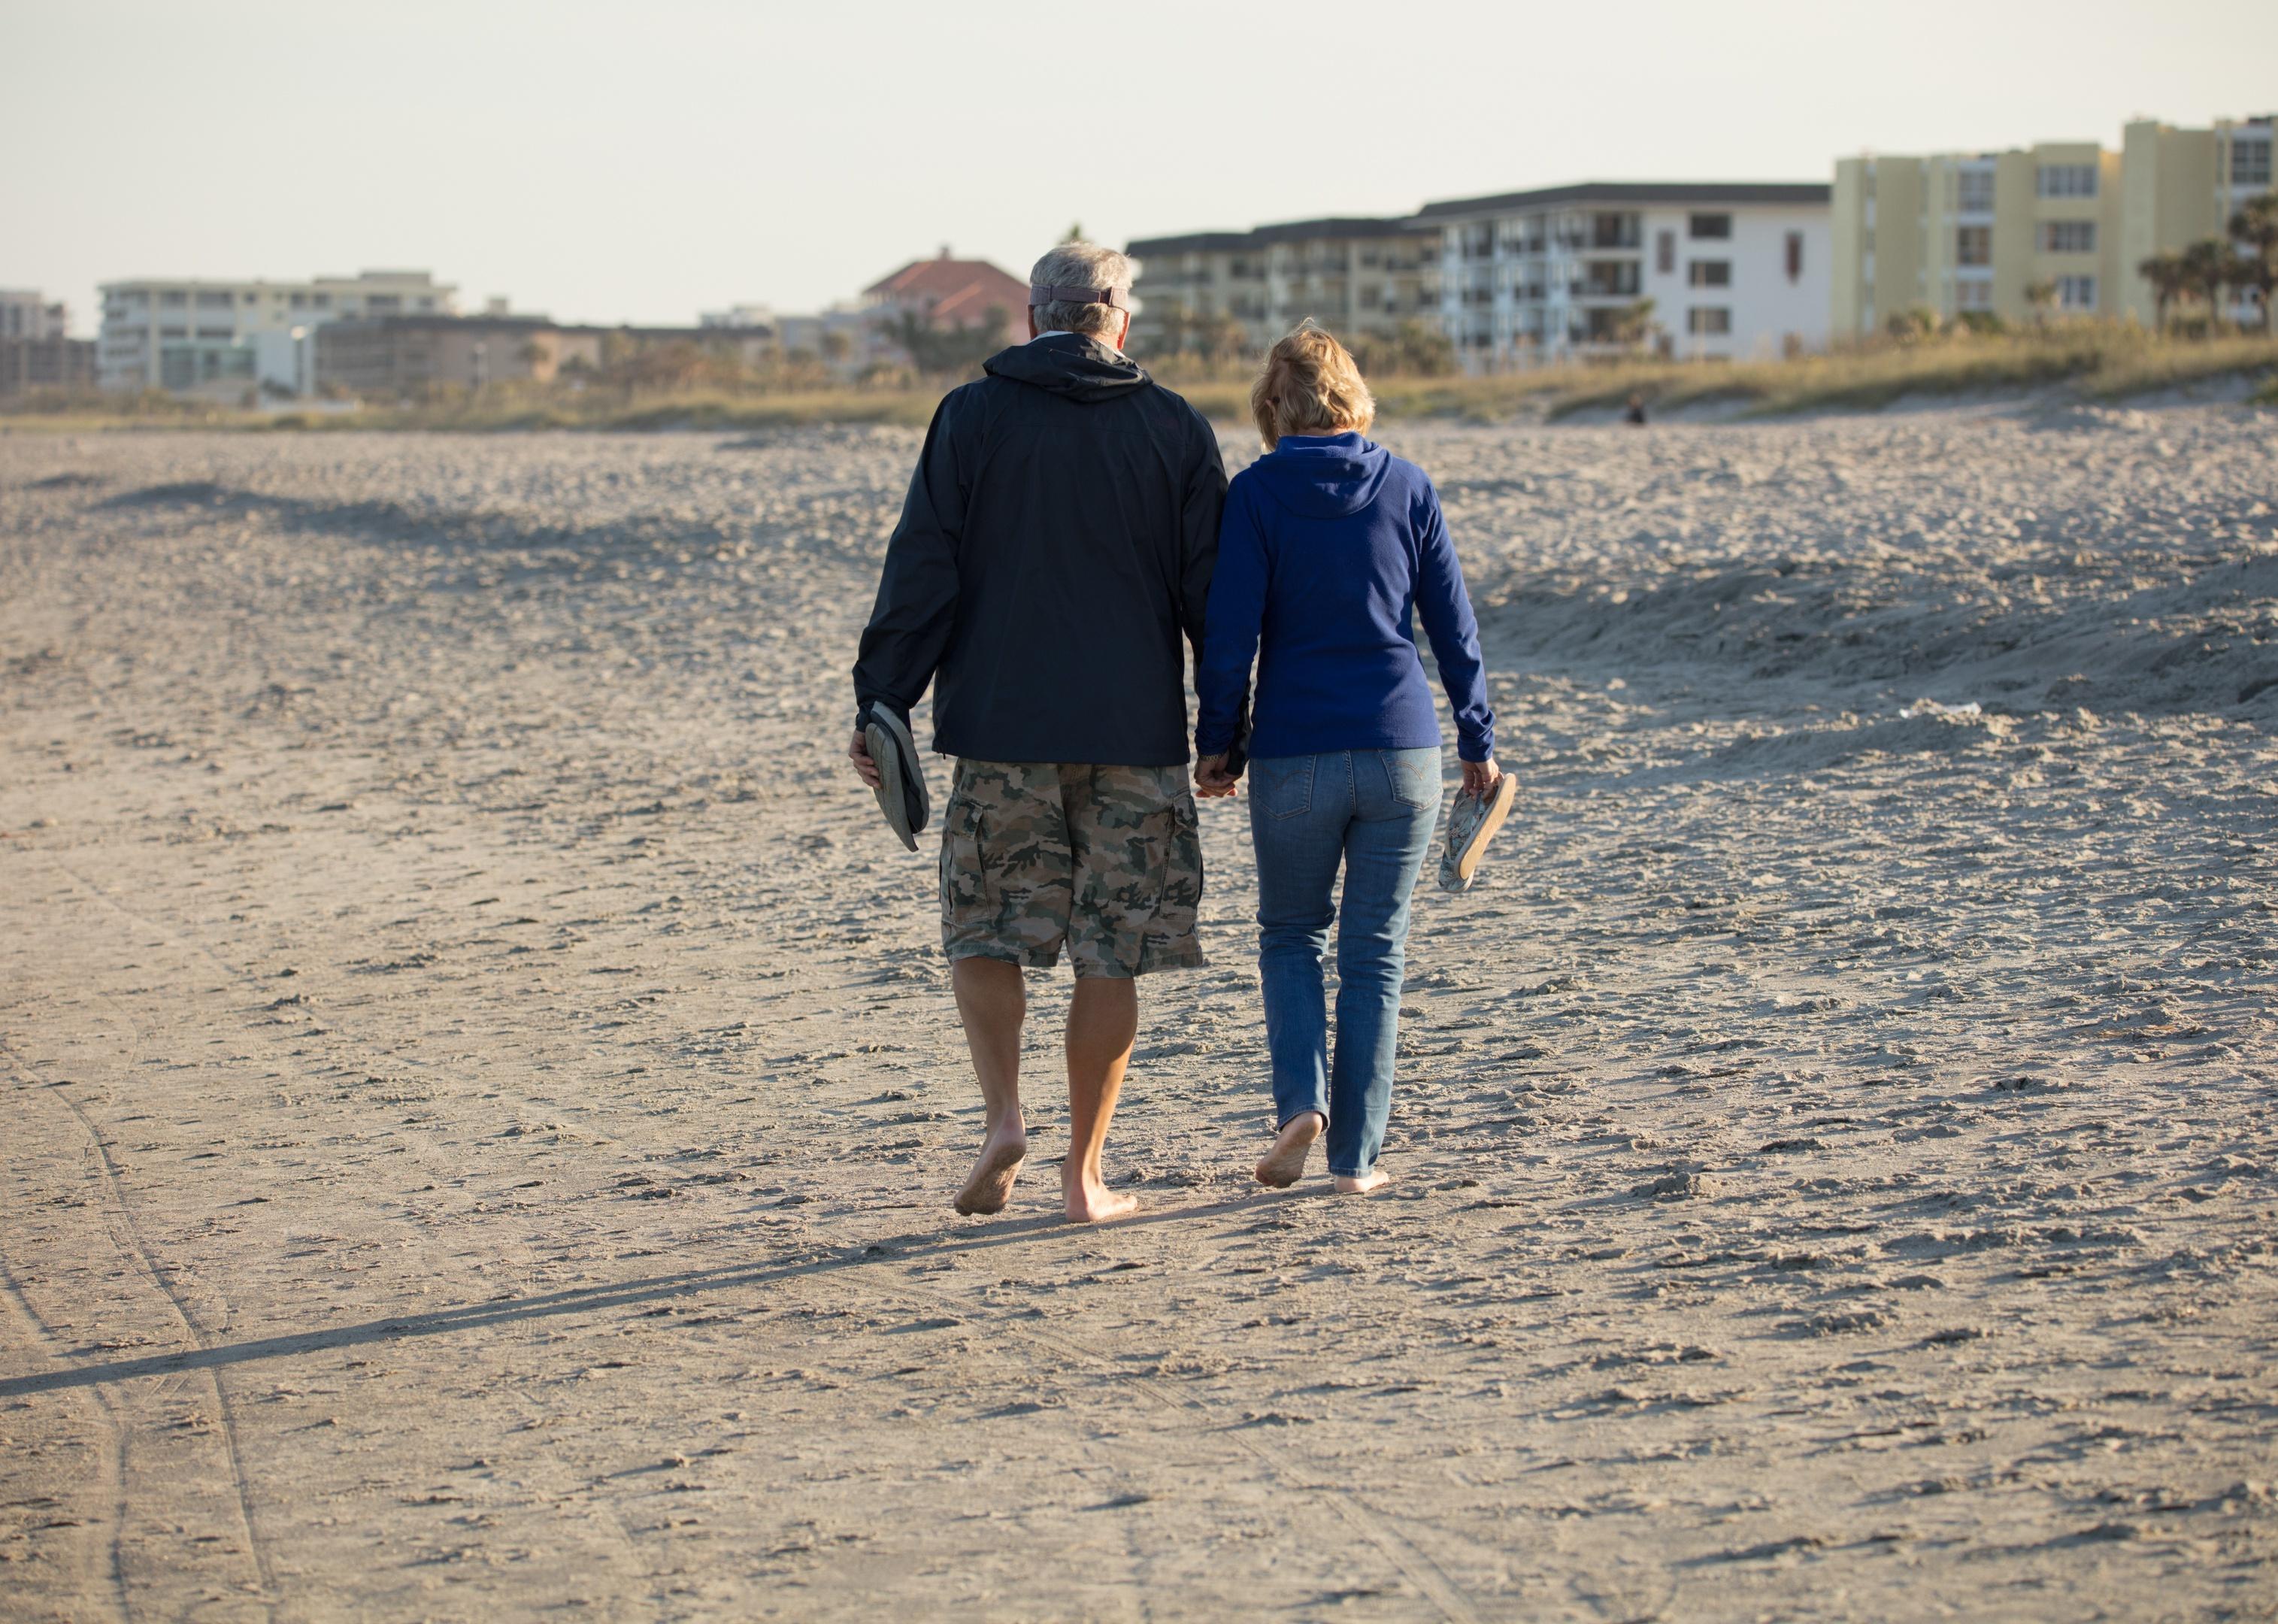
[(992, 1003), (1102, 1021)]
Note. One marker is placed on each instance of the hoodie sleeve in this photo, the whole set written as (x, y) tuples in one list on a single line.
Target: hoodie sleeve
[(1237, 609), (1202, 506), (1446, 609), (917, 605)]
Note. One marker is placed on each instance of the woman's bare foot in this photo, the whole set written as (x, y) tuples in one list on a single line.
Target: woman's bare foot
[(990, 1186), (1285, 1164), (1375, 1178), (1095, 1202)]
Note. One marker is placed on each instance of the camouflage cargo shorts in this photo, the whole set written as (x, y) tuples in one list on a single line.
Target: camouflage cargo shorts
[(1107, 860)]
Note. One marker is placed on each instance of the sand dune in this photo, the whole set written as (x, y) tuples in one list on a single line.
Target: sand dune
[(483, 1103)]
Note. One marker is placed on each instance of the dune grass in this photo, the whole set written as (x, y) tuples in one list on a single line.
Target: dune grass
[(2088, 361)]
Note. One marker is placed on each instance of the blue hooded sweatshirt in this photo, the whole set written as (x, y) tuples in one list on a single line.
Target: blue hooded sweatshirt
[(1328, 544)]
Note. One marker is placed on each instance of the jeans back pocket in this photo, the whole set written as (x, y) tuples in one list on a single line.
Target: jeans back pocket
[(1283, 786), (1413, 775)]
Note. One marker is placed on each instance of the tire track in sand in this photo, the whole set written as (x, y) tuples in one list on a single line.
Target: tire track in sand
[(126, 1238), (113, 1484)]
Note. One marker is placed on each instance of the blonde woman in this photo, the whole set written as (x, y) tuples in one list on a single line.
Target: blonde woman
[(1329, 548)]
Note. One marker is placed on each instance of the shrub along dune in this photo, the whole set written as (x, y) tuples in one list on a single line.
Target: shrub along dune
[(2089, 360)]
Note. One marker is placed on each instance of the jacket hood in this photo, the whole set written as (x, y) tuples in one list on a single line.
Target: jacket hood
[(1320, 477), (1074, 365)]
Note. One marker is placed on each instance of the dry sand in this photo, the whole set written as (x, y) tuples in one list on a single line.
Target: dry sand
[(482, 1103)]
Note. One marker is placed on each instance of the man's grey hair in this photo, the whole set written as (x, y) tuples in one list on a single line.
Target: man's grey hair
[(1080, 264)]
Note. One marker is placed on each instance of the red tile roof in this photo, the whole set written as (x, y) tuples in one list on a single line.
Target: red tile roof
[(953, 292)]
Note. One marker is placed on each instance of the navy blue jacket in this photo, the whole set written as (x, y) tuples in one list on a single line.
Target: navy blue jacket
[(1055, 544), (1329, 542)]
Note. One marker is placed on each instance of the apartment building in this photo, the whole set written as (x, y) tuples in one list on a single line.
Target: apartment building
[(222, 339), (1360, 278), (27, 313), (1961, 233), (1955, 234), (407, 357), (1733, 270), (2178, 187), (58, 362)]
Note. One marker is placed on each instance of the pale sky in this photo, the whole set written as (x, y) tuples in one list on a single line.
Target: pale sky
[(641, 160)]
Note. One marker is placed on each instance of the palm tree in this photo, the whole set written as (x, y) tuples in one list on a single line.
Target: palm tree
[(2165, 271), (2206, 272), (1633, 324), (2042, 297), (2254, 229)]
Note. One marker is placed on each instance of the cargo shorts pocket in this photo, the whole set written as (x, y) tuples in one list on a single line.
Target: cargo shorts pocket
[(1169, 941), (969, 896)]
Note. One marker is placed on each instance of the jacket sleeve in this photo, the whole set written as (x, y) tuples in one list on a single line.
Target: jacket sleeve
[(1446, 609), (1201, 507), (916, 606), (1237, 609)]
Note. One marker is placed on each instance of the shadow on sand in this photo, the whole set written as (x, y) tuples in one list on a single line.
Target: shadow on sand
[(594, 1299)]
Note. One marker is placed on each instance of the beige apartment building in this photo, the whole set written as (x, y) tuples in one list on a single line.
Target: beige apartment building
[(2178, 187), (1361, 278), (1958, 233)]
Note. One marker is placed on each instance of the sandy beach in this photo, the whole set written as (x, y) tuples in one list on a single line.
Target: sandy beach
[(482, 1099)]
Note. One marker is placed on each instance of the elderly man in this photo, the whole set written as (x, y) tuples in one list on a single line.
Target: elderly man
[(1055, 544)]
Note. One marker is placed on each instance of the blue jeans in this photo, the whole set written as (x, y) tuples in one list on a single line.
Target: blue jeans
[(1373, 812)]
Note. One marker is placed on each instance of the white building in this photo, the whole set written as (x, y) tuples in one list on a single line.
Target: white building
[(26, 313), (1735, 271), (222, 339)]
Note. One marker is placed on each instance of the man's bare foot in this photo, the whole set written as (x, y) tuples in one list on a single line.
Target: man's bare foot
[(1098, 1204), (1285, 1164), (1375, 1178), (991, 1183)]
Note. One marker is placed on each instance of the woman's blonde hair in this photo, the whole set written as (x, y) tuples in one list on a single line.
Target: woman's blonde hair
[(1310, 385)]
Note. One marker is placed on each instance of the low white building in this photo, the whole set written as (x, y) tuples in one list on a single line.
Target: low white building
[(1735, 271), (222, 339)]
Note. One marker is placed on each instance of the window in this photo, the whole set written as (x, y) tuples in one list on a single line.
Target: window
[(1664, 252), (1613, 231), (1973, 245), (1977, 294), (223, 333), (173, 299), (216, 301), (322, 301), (2067, 180), (1975, 194), (2250, 162), (1705, 227), (2067, 236), (1795, 256), (2076, 292), (1708, 319), (1709, 273)]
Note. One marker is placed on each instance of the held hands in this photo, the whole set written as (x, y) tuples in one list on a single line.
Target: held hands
[(1211, 779), (1480, 779), (859, 753)]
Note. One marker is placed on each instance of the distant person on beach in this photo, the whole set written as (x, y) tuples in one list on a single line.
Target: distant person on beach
[(1635, 415), (1055, 544), (1330, 542)]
